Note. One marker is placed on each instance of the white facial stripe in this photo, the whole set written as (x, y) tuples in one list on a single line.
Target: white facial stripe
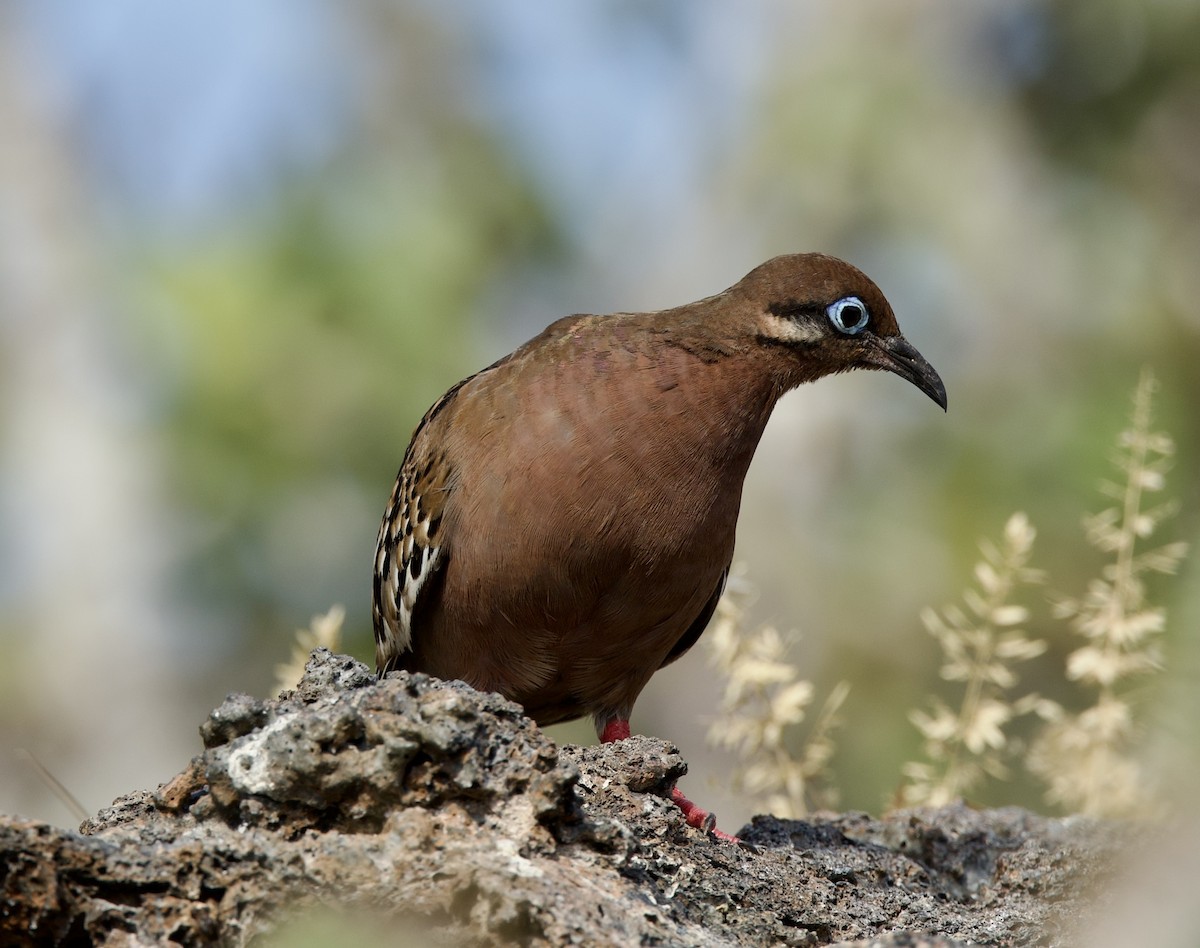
[(795, 331)]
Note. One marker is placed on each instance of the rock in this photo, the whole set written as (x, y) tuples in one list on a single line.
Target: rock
[(415, 799)]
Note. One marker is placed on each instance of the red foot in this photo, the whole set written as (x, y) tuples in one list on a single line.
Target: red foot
[(700, 819)]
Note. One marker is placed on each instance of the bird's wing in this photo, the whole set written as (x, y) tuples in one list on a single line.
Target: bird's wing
[(411, 547), (699, 624), (411, 550)]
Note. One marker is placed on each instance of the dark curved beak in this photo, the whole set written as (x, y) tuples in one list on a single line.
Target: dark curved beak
[(896, 354)]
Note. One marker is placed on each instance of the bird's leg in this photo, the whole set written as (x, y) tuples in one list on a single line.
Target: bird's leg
[(614, 730), (617, 729)]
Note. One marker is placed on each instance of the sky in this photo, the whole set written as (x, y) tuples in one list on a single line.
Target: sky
[(187, 110)]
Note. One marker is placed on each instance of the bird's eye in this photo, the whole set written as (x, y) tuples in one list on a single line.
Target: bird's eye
[(848, 315)]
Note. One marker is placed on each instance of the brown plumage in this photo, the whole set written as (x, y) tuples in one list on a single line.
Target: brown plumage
[(563, 521)]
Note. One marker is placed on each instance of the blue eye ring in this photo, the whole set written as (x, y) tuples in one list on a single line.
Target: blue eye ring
[(849, 315)]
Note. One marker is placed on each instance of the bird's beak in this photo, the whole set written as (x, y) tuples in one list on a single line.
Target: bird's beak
[(896, 354)]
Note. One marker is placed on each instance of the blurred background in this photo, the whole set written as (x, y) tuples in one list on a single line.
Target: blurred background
[(244, 246)]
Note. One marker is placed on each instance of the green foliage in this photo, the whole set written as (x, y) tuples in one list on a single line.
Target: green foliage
[(307, 345)]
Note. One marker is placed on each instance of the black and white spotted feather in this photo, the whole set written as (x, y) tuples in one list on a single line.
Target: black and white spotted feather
[(410, 547)]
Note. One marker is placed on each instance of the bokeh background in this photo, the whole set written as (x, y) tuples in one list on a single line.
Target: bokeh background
[(243, 246)]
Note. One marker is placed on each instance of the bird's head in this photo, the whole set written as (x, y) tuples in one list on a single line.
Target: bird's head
[(832, 317)]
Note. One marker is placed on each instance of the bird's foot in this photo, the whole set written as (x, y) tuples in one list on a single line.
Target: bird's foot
[(700, 818), (618, 730)]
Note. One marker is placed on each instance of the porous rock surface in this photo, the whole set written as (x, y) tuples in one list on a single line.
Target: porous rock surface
[(440, 810)]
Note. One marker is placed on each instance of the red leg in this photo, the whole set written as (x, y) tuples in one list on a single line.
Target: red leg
[(701, 819), (615, 731), (618, 730)]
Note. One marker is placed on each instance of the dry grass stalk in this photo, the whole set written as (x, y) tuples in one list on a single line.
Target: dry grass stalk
[(1087, 758), (763, 700), (979, 644), (323, 630)]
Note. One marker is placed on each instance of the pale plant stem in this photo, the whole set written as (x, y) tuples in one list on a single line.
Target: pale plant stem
[(966, 744), (974, 692), (830, 708), (1089, 759), (1123, 578), (966, 715), (763, 700)]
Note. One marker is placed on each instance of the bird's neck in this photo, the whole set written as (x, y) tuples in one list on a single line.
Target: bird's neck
[(717, 399)]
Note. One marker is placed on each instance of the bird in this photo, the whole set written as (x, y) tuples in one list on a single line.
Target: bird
[(563, 521)]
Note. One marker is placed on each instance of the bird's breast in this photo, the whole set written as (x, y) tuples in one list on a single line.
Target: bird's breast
[(637, 458)]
